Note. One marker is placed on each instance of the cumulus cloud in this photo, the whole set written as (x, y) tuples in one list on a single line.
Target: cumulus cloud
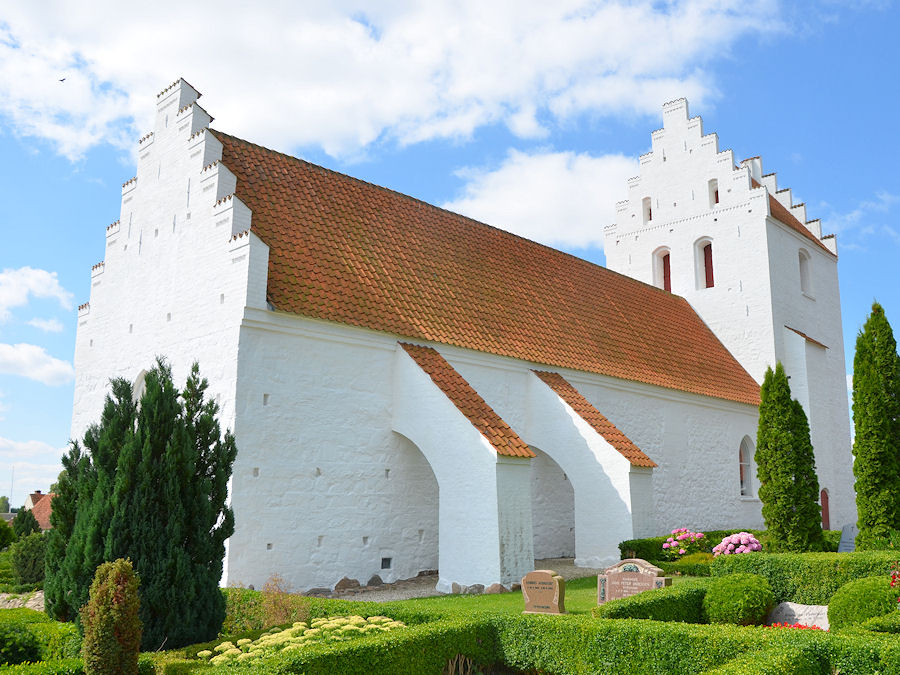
[(866, 219), (34, 363), (349, 73), (556, 198), (18, 285), (47, 325), (11, 450)]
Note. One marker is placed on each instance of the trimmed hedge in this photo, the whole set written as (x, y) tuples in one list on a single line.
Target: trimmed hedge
[(72, 666), (860, 600), (651, 548), (54, 640), (807, 578), (681, 602), (887, 623), (743, 599)]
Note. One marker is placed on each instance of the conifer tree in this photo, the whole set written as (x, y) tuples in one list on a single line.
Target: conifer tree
[(876, 418), (788, 486), (24, 524), (152, 489)]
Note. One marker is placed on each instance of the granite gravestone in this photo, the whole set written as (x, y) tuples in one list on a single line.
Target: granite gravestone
[(544, 592), (629, 577), (848, 538)]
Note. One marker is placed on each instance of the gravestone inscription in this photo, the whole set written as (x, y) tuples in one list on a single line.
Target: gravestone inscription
[(848, 538), (544, 592), (629, 577)]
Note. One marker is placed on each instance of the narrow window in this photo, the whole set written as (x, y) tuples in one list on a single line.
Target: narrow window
[(713, 192), (826, 520), (805, 285), (662, 276), (708, 265), (745, 466), (648, 212)]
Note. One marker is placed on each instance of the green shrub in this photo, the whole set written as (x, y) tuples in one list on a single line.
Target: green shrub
[(17, 643), (25, 524), (886, 623), (778, 661), (651, 548), (27, 559), (72, 666), (807, 578), (681, 602), (742, 599), (7, 534), (23, 615), (694, 565), (861, 599), (112, 629)]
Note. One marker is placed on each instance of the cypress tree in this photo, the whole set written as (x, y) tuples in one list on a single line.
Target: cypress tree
[(876, 418), (788, 486), (153, 489), (24, 524)]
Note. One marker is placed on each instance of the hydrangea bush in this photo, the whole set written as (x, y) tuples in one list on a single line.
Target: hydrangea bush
[(298, 636), (682, 542), (742, 542)]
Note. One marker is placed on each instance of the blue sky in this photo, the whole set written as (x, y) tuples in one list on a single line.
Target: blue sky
[(523, 115)]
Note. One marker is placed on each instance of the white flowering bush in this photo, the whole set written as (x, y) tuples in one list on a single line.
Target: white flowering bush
[(298, 636), (742, 542)]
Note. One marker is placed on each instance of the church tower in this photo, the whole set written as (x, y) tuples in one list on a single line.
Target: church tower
[(762, 277)]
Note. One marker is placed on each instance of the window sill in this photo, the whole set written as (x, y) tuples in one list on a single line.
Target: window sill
[(807, 295), (748, 498)]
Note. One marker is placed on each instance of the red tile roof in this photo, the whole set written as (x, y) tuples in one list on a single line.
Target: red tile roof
[(595, 418), (477, 411), (348, 251), (42, 510)]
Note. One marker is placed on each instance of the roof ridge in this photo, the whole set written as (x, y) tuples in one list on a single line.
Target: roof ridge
[(418, 200)]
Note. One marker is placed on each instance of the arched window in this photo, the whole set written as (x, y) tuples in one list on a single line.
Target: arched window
[(826, 520), (138, 387), (704, 263), (745, 462), (713, 192), (662, 272), (805, 285), (647, 210)]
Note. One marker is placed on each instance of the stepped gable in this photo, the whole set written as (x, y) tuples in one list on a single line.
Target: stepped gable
[(468, 401), (610, 432), (784, 216), (348, 251)]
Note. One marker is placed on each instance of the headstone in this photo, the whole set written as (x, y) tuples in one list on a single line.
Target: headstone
[(629, 577), (792, 612), (848, 538), (544, 592)]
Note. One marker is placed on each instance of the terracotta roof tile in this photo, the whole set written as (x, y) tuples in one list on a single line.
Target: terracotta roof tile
[(477, 411), (348, 251), (42, 509), (595, 418), (783, 215)]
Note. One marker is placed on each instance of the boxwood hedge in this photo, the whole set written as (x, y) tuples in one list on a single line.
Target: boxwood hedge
[(651, 548), (681, 602), (807, 578)]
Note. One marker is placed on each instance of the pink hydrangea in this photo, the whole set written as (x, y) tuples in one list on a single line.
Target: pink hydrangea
[(742, 542), (681, 541)]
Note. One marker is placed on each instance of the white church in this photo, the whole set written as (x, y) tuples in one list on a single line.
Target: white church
[(413, 390)]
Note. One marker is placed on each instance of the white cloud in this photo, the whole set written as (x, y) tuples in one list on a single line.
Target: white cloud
[(34, 363), (345, 74), (3, 407), (556, 198), (47, 325), (860, 219), (17, 285), (19, 450)]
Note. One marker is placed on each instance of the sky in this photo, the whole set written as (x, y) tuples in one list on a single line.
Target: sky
[(526, 115)]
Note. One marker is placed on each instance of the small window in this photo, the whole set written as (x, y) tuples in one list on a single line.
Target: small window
[(745, 463), (703, 260), (713, 192), (805, 285), (647, 209), (662, 271)]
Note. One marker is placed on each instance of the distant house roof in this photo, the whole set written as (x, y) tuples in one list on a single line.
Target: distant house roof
[(344, 250), (469, 402), (42, 510)]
